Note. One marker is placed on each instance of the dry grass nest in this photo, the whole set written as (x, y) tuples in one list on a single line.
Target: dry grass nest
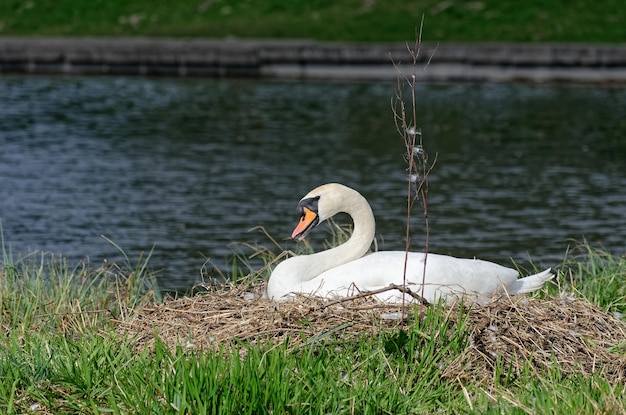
[(565, 330)]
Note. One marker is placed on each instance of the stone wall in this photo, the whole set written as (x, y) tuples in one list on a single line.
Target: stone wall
[(474, 62)]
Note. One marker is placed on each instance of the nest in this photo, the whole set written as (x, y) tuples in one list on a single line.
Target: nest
[(219, 319), (566, 331), (511, 332)]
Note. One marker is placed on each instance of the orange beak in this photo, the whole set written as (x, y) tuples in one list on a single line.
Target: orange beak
[(307, 221)]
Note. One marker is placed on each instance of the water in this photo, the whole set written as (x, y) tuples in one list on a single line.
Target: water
[(190, 166)]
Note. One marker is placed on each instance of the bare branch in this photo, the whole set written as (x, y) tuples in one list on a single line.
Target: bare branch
[(418, 168), (364, 294)]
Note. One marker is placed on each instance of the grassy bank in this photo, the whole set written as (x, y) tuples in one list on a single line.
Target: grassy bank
[(347, 20), (62, 350)]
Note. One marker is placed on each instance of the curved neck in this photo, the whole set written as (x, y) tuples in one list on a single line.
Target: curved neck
[(356, 246), (289, 274)]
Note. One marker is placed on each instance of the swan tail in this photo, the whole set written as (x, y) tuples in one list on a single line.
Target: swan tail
[(531, 283)]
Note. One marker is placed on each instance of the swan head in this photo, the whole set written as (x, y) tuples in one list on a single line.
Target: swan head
[(322, 203), (308, 211)]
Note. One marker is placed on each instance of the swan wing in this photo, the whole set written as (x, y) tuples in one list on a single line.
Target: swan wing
[(444, 275)]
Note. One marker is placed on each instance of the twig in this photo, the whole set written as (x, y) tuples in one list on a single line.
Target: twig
[(364, 294), (417, 158)]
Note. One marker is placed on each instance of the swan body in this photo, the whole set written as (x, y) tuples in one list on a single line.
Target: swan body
[(346, 270)]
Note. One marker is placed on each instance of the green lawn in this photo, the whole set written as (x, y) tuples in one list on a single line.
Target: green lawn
[(346, 20)]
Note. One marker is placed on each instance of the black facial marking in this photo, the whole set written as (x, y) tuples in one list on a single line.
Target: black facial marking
[(309, 203)]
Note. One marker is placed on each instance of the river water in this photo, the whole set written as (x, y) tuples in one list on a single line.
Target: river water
[(189, 166)]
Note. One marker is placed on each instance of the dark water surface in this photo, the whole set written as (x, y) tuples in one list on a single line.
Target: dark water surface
[(189, 166)]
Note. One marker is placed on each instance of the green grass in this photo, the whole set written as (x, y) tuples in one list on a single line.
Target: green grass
[(347, 20), (600, 276), (60, 354)]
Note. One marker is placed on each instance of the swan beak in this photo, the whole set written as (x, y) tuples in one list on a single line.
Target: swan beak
[(308, 221)]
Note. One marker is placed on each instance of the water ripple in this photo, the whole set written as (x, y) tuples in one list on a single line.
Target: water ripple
[(189, 166)]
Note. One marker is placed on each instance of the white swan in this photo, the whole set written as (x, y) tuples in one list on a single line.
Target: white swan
[(343, 270)]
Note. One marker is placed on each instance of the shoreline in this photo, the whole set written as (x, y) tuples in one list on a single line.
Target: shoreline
[(308, 59)]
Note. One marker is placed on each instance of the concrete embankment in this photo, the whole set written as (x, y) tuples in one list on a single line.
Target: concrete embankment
[(302, 59)]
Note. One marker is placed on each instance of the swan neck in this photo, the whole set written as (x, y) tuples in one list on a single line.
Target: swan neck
[(364, 228), (289, 274)]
